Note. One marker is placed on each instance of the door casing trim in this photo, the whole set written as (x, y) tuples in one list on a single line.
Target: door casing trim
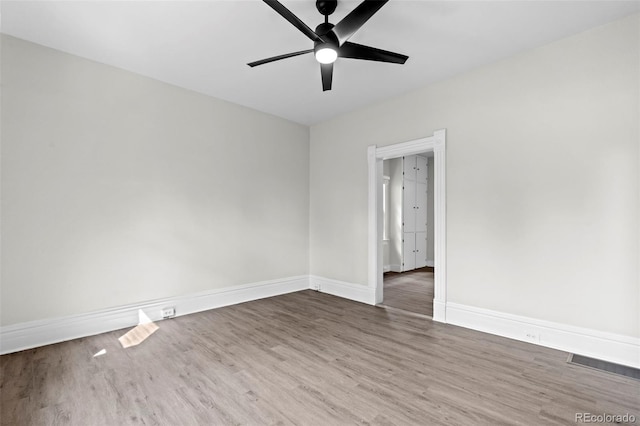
[(376, 155)]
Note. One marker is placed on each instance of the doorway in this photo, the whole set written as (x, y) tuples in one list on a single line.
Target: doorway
[(407, 233), (433, 144)]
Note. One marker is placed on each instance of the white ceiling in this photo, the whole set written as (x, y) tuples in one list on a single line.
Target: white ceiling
[(205, 45)]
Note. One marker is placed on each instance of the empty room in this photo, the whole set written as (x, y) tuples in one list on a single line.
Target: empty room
[(304, 212)]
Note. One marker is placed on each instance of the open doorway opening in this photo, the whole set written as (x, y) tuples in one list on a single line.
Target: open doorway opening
[(407, 233), (432, 147)]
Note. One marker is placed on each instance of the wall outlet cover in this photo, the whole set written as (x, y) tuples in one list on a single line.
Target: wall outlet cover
[(168, 312)]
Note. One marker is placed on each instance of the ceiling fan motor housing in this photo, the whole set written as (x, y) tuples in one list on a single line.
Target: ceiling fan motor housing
[(324, 31)]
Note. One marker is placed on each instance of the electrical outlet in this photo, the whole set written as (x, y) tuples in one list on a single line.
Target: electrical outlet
[(168, 312), (532, 336)]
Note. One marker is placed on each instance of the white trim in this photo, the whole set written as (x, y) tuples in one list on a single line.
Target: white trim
[(356, 292), (430, 263), (375, 155), (416, 146), (374, 251), (610, 347), (32, 334), (439, 226)]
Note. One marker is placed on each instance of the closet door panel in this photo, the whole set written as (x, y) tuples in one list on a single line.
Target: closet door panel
[(409, 251), (421, 169), (408, 206), (421, 207), (409, 167), (421, 249)]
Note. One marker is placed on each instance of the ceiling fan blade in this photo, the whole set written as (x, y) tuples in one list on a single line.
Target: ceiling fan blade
[(293, 19), (277, 58), (326, 70), (360, 51), (354, 20)]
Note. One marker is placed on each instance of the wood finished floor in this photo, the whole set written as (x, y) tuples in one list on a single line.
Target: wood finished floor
[(304, 358), (411, 291)]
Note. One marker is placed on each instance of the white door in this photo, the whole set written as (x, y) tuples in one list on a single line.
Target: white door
[(421, 169), (408, 251), (414, 215), (409, 206), (409, 167), (421, 207), (421, 249)]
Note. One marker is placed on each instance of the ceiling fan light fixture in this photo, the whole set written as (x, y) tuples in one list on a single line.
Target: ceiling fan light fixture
[(326, 53)]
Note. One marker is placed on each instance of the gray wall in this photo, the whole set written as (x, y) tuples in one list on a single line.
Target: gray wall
[(117, 188), (542, 181)]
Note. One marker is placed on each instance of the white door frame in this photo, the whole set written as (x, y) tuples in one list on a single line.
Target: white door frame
[(376, 155)]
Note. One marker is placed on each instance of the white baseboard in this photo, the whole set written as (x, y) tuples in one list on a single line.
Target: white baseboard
[(32, 334), (439, 311), (431, 263), (395, 268), (606, 346), (610, 347), (386, 268), (356, 292)]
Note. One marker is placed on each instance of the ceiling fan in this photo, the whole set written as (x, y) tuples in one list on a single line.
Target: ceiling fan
[(330, 41)]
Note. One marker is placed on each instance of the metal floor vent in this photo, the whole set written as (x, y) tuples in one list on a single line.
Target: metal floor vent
[(609, 367)]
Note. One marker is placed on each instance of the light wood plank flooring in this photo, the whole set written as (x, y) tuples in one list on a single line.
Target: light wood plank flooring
[(411, 291), (304, 358)]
